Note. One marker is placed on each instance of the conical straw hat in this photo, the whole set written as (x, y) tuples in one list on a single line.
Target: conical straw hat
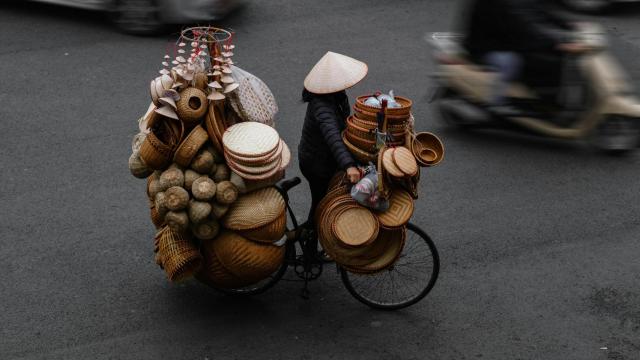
[(333, 73)]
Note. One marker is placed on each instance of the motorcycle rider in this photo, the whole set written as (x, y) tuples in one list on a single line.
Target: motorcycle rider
[(524, 39)]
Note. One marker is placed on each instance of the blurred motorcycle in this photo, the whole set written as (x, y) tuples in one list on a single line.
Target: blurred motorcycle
[(594, 102)]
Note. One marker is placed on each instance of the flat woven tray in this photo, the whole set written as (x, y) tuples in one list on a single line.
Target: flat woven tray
[(405, 161), (400, 209), (389, 165), (258, 160), (250, 139), (355, 227)]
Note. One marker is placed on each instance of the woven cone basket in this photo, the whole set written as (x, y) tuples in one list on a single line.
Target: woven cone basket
[(246, 259), (254, 209), (178, 255), (269, 233)]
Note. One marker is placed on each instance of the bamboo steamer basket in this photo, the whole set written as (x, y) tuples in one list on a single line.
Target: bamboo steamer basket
[(246, 259), (355, 227), (404, 109), (360, 155), (190, 146), (191, 106), (213, 118), (177, 254), (390, 242), (427, 148), (405, 161), (400, 210), (250, 140), (255, 209), (269, 233), (214, 274)]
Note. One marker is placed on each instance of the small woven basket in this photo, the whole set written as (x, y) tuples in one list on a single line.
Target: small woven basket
[(154, 153), (191, 106), (190, 146), (427, 148), (177, 254)]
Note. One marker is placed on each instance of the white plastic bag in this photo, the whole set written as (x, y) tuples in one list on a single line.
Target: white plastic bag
[(366, 193), (253, 100)]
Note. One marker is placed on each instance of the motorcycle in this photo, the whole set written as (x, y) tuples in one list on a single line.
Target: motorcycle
[(594, 101)]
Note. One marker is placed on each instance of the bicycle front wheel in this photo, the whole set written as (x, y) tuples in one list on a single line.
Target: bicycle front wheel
[(405, 283)]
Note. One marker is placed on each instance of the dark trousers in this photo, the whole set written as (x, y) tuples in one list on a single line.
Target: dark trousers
[(318, 184)]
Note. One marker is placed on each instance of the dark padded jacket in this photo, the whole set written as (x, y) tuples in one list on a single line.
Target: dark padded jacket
[(321, 150)]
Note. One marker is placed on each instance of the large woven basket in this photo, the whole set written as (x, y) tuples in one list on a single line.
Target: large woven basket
[(255, 209), (213, 273), (400, 209), (190, 146), (268, 233), (177, 254), (246, 259)]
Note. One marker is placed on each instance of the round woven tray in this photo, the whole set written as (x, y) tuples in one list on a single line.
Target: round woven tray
[(190, 146), (286, 156), (254, 209), (360, 155), (404, 109), (355, 227), (269, 233), (405, 161), (254, 169), (250, 139), (400, 209), (389, 247), (256, 177), (389, 165), (246, 259), (427, 148), (258, 160)]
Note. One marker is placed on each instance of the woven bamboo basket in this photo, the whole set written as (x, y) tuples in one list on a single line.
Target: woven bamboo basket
[(254, 209), (405, 161), (404, 109), (261, 160), (427, 148), (355, 227), (400, 209), (190, 146), (156, 154), (213, 273), (397, 131), (359, 154), (389, 247), (192, 106), (251, 140), (389, 165), (256, 177), (179, 257), (246, 259), (269, 233), (214, 117), (397, 120)]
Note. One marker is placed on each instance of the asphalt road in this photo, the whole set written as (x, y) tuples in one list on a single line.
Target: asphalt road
[(539, 240)]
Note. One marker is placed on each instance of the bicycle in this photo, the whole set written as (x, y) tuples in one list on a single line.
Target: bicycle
[(402, 285)]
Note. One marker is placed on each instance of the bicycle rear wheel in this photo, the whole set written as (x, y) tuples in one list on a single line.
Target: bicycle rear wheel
[(408, 281)]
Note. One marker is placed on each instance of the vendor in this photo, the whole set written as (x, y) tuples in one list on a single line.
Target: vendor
[(322, 152)]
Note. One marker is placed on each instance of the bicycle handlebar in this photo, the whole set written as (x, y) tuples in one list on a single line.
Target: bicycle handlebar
[(288, 184)]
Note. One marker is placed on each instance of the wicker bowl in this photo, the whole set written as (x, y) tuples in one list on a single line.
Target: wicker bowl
[(364, 144), (190, 146), (427, 148), (359, 154), (192, 106)]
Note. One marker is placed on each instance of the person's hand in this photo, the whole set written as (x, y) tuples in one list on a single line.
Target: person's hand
[(354, 174), (574, 48)]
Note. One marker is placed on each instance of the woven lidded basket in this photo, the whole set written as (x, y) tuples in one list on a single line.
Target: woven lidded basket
[(268, 233), (190, 146), (400, 209), (247, 260), (177, 254), (191, 106), (254, 209)]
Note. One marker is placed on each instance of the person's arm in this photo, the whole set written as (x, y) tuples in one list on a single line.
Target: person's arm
[(328, 123)]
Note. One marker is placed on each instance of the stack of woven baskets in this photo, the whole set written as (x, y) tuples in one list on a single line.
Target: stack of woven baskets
[(215, 222), (359, 239)]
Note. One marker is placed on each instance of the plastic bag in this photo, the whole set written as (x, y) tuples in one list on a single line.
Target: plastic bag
[(366, 193), (253, 100)]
